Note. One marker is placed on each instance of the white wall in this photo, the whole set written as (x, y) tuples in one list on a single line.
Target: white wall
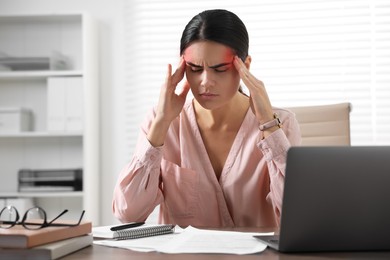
[(109, 15)]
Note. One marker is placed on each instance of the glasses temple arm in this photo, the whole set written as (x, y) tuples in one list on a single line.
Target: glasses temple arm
[(81, 217), (62, 213), (60, 224)]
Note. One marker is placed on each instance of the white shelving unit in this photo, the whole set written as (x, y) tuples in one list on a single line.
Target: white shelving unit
[(74, 36)]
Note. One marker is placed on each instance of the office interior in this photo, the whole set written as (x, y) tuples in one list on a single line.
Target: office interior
[(131, 53)]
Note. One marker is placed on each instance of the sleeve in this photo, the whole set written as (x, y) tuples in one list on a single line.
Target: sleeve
[(137, 191), (275, 148)]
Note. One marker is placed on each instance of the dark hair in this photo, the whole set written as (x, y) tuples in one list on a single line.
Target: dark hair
[(220, 26)]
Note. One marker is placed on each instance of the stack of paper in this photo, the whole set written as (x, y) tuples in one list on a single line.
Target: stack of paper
[(25, 63), (193, 240)]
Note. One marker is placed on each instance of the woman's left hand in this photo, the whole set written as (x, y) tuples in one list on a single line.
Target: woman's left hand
[(259, 101)]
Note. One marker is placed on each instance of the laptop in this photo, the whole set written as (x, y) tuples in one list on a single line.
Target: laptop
[(335, 199)]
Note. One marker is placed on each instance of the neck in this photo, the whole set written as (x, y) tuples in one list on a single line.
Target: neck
[(222, 117)]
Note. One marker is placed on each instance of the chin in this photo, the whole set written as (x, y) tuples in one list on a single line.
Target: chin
[(209, 105)]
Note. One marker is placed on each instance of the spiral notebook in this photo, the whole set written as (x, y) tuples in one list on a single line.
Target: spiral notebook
[(146, 230)]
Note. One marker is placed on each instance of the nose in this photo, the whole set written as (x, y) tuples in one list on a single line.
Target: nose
[(207, 80)]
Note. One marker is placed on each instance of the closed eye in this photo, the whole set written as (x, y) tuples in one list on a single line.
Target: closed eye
[(217, 68), (221, 69), (196, 69)]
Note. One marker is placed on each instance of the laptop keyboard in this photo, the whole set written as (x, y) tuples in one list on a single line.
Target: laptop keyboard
[(272, 239)]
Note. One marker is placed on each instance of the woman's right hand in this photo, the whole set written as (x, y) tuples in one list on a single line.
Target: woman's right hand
[(169, 105)]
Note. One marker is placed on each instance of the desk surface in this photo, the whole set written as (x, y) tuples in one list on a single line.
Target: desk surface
[(97, 252)]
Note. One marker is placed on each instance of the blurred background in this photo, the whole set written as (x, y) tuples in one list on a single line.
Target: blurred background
[(307, 52)]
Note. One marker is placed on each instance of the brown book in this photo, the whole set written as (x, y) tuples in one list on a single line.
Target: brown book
[(19, 237)]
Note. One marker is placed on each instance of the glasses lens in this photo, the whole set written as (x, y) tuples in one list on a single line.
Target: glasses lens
[(8, 217), (35, 218)]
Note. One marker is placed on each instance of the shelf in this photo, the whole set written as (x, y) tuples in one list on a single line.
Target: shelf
[(40, 134), (39, 74), (40, 194), (75, 145)]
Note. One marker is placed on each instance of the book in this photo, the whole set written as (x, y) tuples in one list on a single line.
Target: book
[(19, 237), (146, 230), (48, 251)]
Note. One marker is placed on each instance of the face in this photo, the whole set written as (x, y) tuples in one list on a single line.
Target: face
[(211, 73)]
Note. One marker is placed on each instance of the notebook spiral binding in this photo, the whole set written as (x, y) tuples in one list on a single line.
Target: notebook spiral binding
[(144, 232)]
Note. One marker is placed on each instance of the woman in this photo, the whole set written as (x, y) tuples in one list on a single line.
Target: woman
[(217, 160)]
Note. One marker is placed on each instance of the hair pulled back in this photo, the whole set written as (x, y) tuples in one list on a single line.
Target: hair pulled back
[(220, 26)]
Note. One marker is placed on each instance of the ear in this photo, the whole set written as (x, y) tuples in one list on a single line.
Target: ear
[(248, 61)]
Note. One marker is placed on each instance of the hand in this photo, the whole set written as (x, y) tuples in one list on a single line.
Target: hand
[(169, 105), (259, 101)]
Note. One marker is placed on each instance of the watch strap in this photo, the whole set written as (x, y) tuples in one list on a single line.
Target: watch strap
[(274, 122)]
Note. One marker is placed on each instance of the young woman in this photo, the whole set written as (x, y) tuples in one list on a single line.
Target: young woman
[(217, 160)]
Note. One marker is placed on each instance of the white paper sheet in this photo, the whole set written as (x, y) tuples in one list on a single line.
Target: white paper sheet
[(193, 240), (145, 244)]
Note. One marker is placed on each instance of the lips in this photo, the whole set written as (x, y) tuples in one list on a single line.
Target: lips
[(207, 95)]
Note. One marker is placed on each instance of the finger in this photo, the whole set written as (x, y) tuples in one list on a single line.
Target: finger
[(168, 77), (241, 68), (246, 76), (185, 89), (239, 65), (179, 72)]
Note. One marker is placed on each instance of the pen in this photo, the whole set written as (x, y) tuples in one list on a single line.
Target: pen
[(129, 225)]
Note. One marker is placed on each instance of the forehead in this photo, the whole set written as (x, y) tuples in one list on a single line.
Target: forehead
[(209, 52)]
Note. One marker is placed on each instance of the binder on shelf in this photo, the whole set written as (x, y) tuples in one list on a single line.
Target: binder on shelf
[(74, 104), (55, 105), (65, 104), (50, 180)]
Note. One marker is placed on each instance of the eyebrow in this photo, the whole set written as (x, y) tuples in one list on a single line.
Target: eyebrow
[(211, 67)]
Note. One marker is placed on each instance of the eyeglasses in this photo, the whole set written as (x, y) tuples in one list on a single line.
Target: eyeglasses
[(34, 218)]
